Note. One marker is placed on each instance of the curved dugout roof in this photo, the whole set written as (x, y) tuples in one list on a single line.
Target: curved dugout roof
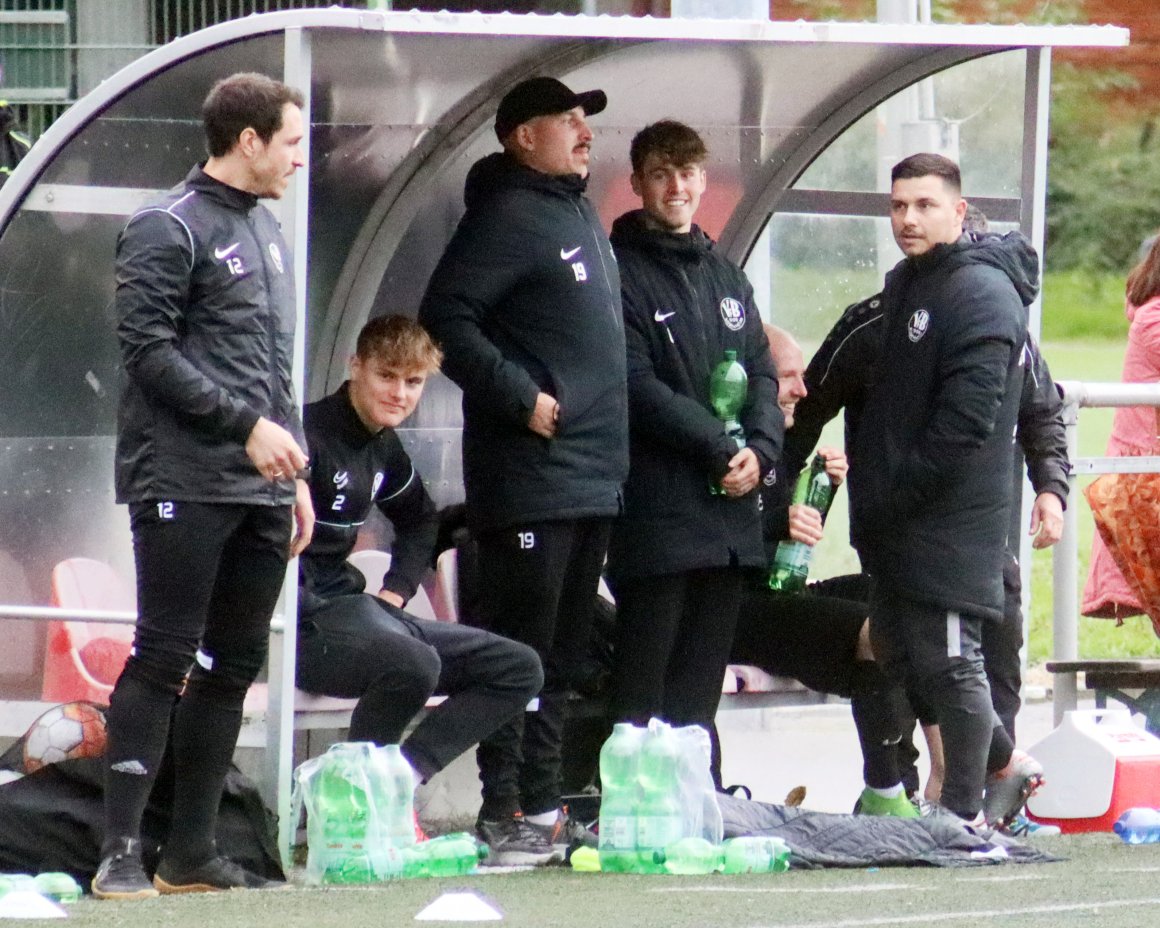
[(400, 105)]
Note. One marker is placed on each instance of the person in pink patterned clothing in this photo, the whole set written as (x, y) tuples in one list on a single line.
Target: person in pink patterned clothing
[(1134, 431)]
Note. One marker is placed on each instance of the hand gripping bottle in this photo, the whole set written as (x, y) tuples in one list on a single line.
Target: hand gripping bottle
[(755, 854), (791, 562), (619, 798), (728, 387), (659, 821), (1139, 825)]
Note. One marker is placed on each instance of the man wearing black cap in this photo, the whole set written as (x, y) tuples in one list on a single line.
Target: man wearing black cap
[(525, 303)]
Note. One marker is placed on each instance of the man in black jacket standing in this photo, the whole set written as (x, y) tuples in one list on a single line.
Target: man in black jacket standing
[(677, 557), (525, 304), (930, 480), (209, 444)]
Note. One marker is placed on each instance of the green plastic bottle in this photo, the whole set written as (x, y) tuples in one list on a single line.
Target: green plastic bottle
[(791, 561), (60, 887), (659, 820), (728, 388), (755, 854), (620, 799), (689, 856), (449, 855), (342, 804)]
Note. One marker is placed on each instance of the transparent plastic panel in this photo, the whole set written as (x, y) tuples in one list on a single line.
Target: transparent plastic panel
[(979, 102)]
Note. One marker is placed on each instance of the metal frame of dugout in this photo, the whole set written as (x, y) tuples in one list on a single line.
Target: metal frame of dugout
[(399, 105)]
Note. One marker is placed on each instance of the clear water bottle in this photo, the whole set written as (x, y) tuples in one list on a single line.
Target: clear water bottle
[(791, 561), (1139, 825), (659, 820), (755, 854), (728, 388), (689, 856), (396, 800), (619, 799)]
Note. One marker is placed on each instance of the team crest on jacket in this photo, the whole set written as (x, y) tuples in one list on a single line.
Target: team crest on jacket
[(276, 255), (733, 313), (918, 324)]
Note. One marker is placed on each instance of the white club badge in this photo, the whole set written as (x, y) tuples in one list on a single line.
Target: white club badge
[(276, 255), (733, 312), (918, 324)]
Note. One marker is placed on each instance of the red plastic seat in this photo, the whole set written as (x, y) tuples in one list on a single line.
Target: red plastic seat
[(83, 659)]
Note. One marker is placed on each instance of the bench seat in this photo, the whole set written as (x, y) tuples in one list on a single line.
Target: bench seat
[(1134, 683)]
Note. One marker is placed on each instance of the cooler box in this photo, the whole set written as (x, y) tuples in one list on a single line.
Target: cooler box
[(1097, 764)]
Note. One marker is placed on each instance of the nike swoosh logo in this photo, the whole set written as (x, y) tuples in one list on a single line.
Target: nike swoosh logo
[(661, 317), (568, 255), (220, 253)]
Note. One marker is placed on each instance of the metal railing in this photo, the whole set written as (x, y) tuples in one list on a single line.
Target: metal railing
[(1065, 598)]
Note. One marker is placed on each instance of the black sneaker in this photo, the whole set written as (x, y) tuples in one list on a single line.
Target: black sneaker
[(566, 833), (120, 875), (512, 842), (215, 875)]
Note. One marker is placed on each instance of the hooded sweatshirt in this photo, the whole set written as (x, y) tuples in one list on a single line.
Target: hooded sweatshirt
[(932, 489), (526, 299)]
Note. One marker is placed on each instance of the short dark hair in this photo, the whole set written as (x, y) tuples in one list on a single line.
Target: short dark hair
[(244, 101), (925, 164), (673, 141), (400, 343)]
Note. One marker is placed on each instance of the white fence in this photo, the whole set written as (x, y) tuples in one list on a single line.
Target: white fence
[(1065, 600)]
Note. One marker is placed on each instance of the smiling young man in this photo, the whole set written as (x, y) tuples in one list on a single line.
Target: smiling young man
[(677, 557), (359, 646), (931, 481), (209, 444), (525, 303)]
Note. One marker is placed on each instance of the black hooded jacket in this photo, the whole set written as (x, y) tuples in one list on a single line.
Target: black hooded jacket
[(931, 487), (526, 299), (684, 305)]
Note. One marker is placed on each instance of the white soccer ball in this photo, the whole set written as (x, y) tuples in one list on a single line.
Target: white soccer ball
[(74, 729)]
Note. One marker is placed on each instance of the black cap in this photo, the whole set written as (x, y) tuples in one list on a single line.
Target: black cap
[(542, 96)]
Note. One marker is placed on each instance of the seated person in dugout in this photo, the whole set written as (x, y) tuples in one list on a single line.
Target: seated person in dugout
[(356, 645), (820, 637)]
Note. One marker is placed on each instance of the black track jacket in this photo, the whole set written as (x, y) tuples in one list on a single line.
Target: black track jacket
[(525, 299), (352, 469), (684, 304), (931, 487), (205, 320)]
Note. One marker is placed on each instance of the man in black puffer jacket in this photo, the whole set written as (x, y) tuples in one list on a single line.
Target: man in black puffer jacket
[(677, 557), (930, 484), (525, 304)]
